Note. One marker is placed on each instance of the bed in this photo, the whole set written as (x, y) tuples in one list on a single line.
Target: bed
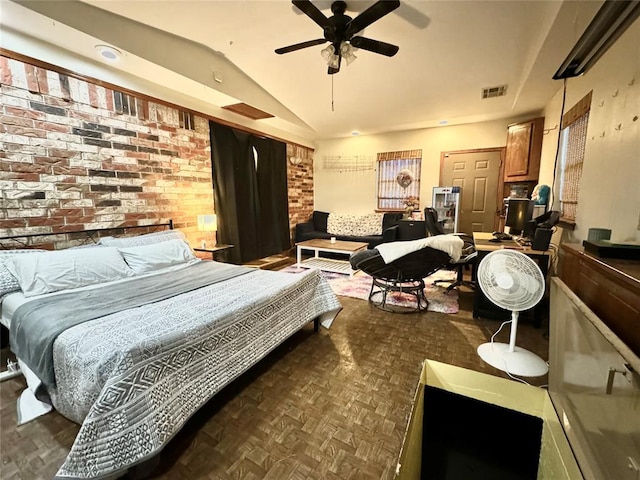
[(133, 358)]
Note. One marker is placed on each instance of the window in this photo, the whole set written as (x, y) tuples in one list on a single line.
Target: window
[(398, 179), (124, 103), (573, 139), (186, 120)]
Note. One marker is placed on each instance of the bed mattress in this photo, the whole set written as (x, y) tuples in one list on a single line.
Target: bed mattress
[(134, 377)]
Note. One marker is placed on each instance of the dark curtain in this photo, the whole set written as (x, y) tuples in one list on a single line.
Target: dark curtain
[(250, 193), (273, 196)]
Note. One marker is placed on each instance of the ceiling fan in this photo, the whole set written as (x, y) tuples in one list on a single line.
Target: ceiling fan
[(341, 29)]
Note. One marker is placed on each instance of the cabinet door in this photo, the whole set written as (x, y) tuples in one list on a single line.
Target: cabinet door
[(518, 146)]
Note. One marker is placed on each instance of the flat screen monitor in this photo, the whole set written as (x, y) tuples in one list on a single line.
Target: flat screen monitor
[(519, 212)]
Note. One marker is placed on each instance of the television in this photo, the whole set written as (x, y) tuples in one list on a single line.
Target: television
[(519, 212)]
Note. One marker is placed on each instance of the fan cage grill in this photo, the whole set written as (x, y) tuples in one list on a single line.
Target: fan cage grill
[(511, 280)]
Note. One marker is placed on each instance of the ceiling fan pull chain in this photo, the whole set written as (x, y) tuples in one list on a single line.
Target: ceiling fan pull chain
[(332, 109)]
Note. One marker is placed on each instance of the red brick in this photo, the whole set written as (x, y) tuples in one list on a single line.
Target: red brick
[(25, 177), (142, 155), (109, 97), (53, 127), (56, 152), (30, 168), (66, 212), (41, 78), (93, 96), (44, 221), (57, 102), (25, 131), (65, 170), (5, 72), (32, 81), (22, 112), (68, 228), (12, 120), (12, 223), (87, 117)]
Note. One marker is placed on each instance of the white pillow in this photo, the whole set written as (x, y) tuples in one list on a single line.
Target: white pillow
[(147, 239), (60, 270), (146, 258), (9, 283)]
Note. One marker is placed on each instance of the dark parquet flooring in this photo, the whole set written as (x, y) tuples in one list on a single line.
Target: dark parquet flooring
[(327, 405)]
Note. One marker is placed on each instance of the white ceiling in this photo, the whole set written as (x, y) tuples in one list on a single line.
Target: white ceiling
[(449, 51)]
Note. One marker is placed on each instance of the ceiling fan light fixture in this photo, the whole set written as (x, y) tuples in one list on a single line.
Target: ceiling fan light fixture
[(327, 53), (346, 50), (339, 30)]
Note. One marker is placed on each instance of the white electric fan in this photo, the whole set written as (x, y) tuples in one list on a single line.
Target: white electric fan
[(514, 282)]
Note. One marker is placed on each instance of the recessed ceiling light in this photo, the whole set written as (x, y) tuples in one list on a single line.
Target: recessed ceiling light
[(443, 122), (108, 53), (355, 133)]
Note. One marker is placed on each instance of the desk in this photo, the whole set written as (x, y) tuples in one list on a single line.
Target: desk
[(482, 306)]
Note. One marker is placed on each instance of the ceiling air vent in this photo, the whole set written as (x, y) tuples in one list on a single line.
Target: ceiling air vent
[(248, 111), (494, 91)]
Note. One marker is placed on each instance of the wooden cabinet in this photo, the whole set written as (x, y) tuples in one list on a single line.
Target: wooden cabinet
[(524, 146)]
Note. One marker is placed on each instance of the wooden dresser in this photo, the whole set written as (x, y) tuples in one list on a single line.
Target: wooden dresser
[(610, 287)]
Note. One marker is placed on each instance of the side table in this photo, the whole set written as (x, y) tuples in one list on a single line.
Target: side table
[(213, 250)]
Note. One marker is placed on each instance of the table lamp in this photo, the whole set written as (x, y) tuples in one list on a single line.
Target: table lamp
[(207, 223)]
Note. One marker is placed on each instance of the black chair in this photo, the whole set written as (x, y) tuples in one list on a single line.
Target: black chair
[(469, 254), (405, 275)]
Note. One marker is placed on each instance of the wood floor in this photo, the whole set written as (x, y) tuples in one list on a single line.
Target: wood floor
[(327, 405)]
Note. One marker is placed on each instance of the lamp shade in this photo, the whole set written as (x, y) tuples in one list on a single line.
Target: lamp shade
[(207, 223)]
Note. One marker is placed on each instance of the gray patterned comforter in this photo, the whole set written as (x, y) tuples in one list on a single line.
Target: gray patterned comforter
[(133, 378)]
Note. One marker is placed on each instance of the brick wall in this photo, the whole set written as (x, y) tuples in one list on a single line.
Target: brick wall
[(75, 155), (300, 184)]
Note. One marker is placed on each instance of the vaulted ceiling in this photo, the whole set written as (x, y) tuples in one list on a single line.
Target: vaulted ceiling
[(223, 51)]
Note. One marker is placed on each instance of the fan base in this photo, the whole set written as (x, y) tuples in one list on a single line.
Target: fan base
[(520, 362)]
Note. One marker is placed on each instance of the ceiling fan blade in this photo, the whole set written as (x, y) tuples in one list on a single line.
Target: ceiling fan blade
[(375, 46), (370, 15), (311, 11), (299, 46)]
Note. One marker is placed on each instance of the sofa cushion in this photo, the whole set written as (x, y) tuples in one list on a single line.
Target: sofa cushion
[(355, 225), (319, 220)]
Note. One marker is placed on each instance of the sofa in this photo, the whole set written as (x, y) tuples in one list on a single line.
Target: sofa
[(316, 227)]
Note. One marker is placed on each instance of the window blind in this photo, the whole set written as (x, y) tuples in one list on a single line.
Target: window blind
[(572, 167), (392, 193)]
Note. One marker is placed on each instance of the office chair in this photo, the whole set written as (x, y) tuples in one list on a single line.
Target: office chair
[(469, 254)]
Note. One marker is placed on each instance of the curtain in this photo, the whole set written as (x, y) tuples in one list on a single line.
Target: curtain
[(273, 205), (250, 191)]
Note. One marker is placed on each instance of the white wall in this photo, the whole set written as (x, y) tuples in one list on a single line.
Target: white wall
[(609, 194), (610, 187), (355, 191)]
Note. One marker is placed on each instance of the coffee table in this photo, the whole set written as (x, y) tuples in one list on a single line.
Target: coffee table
[(328, 264)]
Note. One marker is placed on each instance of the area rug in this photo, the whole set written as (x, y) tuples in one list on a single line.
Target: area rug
[(359, 286)]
